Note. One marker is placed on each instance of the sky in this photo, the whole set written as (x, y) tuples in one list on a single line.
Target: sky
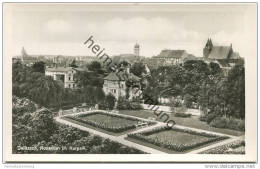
[(62, 29)]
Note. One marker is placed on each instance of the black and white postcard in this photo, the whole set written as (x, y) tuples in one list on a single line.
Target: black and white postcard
[(130, 82)]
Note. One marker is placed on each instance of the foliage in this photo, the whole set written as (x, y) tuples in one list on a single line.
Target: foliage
[(38, 67), (95, 66), (73, 64), (227, 148), (110, 101), (36, 86), (124, 104), (185, 115), (230, 123), (138, 68), (37, 129)]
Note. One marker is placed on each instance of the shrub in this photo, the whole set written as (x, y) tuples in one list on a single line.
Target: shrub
[(230, 123), (235, 124), (218, 122), (136, 106), (182, 115), (210, 117), (227, 148), (127, 105)]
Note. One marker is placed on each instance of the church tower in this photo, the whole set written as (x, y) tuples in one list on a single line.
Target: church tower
[(137, 49), (207, 49)]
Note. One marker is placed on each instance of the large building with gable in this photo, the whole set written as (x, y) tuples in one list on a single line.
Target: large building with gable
[(225, 56)]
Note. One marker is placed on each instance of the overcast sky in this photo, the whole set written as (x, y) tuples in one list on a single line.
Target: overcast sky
[(63, 28)]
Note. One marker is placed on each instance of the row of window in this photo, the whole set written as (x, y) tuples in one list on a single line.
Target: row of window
[(71, 86)]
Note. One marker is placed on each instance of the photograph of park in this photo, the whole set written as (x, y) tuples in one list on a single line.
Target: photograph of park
[(129, 79)]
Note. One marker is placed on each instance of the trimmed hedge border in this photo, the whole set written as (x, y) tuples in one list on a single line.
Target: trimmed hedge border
[(107, 127), (184, 115), (224, 149), (175, 147)]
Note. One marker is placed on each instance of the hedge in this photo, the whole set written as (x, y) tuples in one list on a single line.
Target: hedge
[(182, 115), (225, 149)]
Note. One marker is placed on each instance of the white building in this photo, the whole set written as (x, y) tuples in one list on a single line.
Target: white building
[(64, 74)]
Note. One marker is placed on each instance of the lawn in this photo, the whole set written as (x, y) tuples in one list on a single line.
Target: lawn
[(174, 139), (192, 121)]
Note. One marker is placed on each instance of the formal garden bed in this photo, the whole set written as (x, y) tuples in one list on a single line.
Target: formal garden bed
[(175, 139), (236, 147), (109, 122)]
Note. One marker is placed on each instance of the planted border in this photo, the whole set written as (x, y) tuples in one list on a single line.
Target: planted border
[(225, 149), (175, 147), (107, 127)]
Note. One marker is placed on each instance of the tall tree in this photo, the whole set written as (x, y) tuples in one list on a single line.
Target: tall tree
[(38, 67), (73, 64), (138, 68)]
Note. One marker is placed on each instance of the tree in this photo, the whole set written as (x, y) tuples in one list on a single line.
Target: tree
[(138, 68), (235, 91), (110, 101), (94, 66), (38, 67), (214, 68), (73, 64), (99, 95)]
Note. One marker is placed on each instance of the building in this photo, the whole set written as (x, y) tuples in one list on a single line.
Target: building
[(225, 56), (64, 74), (122, 84), (137, 49), (169, 57)]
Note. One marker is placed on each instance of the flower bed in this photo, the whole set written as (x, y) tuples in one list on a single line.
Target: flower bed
[(206, 138), (236, 147), (109, 122)]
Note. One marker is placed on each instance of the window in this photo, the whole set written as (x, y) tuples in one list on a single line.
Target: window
[(113, 90), (73, 85), (69, 78), (69, 85)]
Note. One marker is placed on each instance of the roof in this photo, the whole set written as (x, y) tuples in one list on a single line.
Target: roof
[(112, 77), (122, 76), (64, 69), (235, 55), (130, 58), (220, 52), (171, 54)]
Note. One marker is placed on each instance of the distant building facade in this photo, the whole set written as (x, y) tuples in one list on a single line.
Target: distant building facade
[(64, 74), (169, 57)]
